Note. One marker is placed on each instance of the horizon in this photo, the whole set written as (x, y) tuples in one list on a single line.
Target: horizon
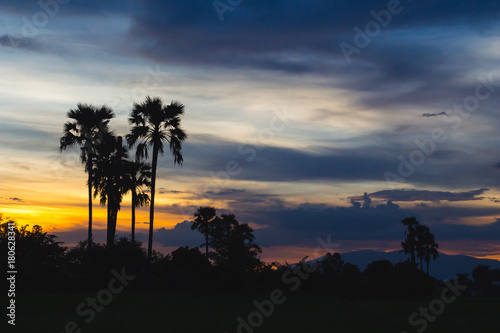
[(306, 126)]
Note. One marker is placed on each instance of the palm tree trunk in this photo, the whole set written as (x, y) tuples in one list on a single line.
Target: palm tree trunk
[(206, 243), (89, 237), (152, 203), (428, 260), (134, 200), (109, 241), (421, 264)]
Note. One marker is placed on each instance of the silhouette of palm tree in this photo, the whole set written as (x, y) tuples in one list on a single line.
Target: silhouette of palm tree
[(204, 216), (140, 175), (234, 243), (153, 125), (410, 243), (86, 129), (431, 249), (111, 180), (422, 235)]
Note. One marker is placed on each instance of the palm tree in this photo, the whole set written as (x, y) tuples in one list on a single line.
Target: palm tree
[(431, 250), (86, 129), (140, 175), (409, 244), (111, 180), (234, 244), (422, 234), (204, 216), (154, 124)]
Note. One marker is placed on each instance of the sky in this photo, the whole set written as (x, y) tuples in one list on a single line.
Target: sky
[(313, 121)]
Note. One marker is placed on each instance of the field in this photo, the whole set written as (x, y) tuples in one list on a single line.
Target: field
[(155, 312)]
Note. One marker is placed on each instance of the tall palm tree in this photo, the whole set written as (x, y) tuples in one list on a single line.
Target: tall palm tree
[(87, 127), (154, 124), (140, 175), (111, 180), (204, 216)]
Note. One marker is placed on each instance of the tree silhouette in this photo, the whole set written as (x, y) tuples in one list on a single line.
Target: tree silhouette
[(153, 125), (39, 256), (430, 248), (204, 216), (86, 129), (112, 181), (421, 235), (140, 175), (426, 246), (419, 242), (234, 244), (410, 243)]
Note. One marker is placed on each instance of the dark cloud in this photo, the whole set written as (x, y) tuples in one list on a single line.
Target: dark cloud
[(180, 235), (423, 195), (285, 164), (19, 200), (238, 199), (69, 8), (302, 225), (428, 115), (283, 26), (401, 67), (163, 190), (20, 42), (369, 160)]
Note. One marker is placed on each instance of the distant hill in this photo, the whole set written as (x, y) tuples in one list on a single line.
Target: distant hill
[(444, 267)]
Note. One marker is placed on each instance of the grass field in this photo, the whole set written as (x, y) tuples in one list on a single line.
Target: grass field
[(155, 312)]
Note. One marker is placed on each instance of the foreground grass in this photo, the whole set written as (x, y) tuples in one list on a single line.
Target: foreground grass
[(155, 312)]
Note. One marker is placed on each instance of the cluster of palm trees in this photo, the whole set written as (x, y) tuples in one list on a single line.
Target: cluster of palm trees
[(111, 174), (419, 242), (233, 242)]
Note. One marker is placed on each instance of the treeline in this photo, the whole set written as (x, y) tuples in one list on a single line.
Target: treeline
[(44, 264)]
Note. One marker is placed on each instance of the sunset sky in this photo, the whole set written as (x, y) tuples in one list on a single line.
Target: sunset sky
[(308, 104)]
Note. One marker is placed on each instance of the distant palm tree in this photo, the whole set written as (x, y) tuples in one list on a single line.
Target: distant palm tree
[(422, 234), (153, 125), (234, 244), (431, 250), (86, 129), (410, 243), (140, 175), (204, 216), (112, 181)]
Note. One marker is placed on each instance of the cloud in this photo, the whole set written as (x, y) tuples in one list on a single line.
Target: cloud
[(241, 199), (368, 160), (20, 42), (163, 190), (423, 195), (301, 225), (180, 235), (428, 115), (495, 200), (71, 8), (17, 200)]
